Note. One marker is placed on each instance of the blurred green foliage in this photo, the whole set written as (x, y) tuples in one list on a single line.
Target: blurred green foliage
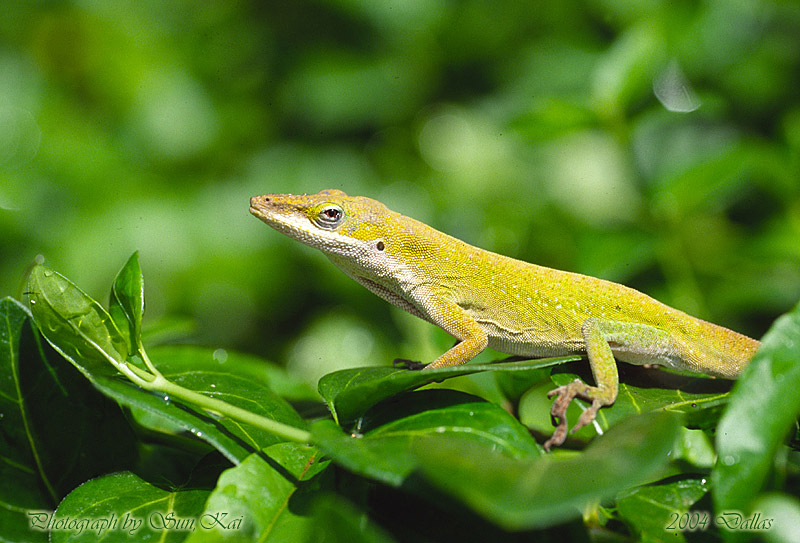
[(650, 143)]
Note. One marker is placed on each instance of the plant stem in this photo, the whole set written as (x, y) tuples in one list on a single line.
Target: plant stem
[(290, 433), (156, 382)]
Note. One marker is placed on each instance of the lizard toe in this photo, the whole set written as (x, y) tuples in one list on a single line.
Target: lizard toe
[(588, 416)]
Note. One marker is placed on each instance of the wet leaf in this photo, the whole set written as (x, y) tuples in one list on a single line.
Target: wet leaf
[(764, 405), (122, 507), (126, 302), (520, 493), (385, 451), (269, 492), (351, 392)]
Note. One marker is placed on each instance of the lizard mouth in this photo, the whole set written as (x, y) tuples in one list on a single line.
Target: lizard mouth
[(256, 205), (259, 207), (269, 215)]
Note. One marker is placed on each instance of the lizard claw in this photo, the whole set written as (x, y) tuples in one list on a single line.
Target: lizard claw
[(558, 413), (587, 416), (407, 364)]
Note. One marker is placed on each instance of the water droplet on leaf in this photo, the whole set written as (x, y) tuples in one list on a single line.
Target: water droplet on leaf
[(220, 355), (729, 460)]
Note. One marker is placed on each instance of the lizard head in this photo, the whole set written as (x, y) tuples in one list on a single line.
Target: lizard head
[(330, 220)]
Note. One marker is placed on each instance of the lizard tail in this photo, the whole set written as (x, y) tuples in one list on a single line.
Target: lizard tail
[(718, 351)]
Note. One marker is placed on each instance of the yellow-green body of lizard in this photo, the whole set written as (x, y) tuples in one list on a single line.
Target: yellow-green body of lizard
[(486, 299)]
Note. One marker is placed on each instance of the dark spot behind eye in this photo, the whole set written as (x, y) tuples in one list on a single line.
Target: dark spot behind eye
[(380, 246)]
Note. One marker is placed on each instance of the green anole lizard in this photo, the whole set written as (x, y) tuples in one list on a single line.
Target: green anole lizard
[(486, 299)]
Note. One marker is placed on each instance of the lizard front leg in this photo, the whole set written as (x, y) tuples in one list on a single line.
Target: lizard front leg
[(456, 321)]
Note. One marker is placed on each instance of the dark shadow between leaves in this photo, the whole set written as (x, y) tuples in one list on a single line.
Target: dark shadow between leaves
[(410, 403)]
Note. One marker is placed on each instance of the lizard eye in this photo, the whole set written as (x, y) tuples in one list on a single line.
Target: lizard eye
[(330, 216)]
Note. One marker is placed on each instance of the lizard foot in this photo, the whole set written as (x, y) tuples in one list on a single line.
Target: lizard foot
[(558, 413)]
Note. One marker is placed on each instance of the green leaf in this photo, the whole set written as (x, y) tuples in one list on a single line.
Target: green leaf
[(203, 374), (764, 405), (350, 392), (121, 508), (384, 452), (75, 324), (514, 384), (84, 333), (126, 302), (55, 429), (538, 492), (696, 448), (662, 512), (199, 370), (784, 513), (168, 416), (25, 484), (337, 521), (269, 493)]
